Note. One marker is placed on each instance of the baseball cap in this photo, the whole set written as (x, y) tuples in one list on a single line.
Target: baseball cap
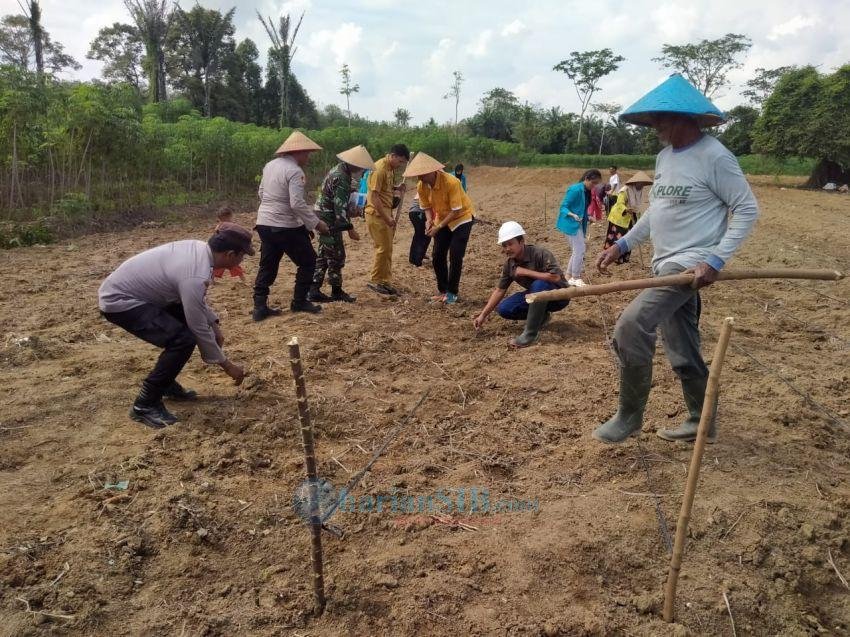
[(235, 234)]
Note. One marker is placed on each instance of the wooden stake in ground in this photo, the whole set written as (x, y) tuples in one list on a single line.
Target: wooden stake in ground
[(708, 409), (686, 278), (312, 475)]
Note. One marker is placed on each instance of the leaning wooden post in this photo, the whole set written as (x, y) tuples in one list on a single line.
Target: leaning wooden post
[(312, 474), (708, 409)]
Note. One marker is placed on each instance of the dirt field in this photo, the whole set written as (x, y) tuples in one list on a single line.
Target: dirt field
[(205, 541)]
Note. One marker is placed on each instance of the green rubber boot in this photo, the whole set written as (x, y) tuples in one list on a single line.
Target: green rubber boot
[(694, 392), (537, 318), (634, 392)]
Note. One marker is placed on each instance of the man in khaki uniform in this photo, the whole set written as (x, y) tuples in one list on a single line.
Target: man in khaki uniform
[(379, 216), (285, 223)]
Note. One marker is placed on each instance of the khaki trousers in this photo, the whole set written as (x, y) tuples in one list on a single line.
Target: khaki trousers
[(382, 238)]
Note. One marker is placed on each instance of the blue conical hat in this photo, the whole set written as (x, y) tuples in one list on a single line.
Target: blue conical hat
[(674, 95)]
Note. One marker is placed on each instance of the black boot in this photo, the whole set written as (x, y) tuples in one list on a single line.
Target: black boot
[(338, 294), (176, 391), (262, 310), (149, 410), (305, 306), (317, 296)]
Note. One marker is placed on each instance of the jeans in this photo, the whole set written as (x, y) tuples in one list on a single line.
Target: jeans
[(420, 241), (673, 309), (165, 328), (449, 250), (576, 264), (294, 243), (515, 307)]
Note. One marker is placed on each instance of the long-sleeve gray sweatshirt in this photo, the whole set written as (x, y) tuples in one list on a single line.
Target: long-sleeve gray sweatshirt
[(177, 272), (696, 188)]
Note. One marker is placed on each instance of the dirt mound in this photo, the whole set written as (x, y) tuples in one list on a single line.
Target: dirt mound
[(204, 539)]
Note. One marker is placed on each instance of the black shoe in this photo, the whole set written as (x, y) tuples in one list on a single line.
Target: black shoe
[(338, 294), (305, 306), (176, 391), (382, 288), (261, 313), (154, 416), (317, 296), (262, 309)]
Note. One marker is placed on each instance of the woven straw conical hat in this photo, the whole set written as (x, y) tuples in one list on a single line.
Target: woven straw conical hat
[(422, 164), (358, 157), (639, 178), (295, 142)]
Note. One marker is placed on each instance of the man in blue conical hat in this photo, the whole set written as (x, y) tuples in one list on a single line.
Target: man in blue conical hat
[(698, 183)]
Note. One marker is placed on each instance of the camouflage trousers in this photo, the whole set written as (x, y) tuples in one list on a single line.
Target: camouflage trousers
[(331, 260)]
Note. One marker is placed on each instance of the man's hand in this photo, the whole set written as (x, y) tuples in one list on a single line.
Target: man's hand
[(322, 227), (236, 372), (355, 236), (606, 258), (219, 337), (389, 221), (433, 230), (479, 320), (428, 225), (704, 275)]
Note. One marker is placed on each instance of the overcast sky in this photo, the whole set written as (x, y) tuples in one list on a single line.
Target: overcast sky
[(403, 54)]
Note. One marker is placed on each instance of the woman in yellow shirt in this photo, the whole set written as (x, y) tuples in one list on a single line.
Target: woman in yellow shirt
[(624, 212), (448, 213)]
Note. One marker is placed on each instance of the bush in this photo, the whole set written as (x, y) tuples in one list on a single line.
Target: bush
[(17, 236)]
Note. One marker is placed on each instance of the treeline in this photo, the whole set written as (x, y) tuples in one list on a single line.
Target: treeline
[(70, 149)]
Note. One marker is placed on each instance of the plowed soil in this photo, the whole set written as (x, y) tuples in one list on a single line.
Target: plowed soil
[(204, 541)]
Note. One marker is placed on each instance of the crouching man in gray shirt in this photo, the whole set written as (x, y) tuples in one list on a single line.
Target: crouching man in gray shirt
[(701, 210), (160, 296)]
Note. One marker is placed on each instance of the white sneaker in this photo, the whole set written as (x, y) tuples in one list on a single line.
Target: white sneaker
[(571, 281), (579, 283)]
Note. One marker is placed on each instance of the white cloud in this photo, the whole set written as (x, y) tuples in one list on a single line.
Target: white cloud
[(792, 27), (480, 45), (675, 21), (513, 28), (341, 43), (390, 51), (440, 57)]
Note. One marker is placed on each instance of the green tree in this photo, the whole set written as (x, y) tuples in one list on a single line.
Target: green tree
[(761, 86), (496, 116), (120, 48), (402, 117), (608, 113), (241, 96), (586, 69), (808, 115), (153, 20), (200, 41), (18, 48), (281, 55), (737, 132), (706, 63), (347, 89), (454, 91)]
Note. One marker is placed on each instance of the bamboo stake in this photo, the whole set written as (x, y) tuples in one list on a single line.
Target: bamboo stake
[(686, 278), (708, 410), (312, 475)]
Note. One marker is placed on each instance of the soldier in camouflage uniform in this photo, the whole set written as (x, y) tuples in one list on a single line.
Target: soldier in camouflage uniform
[(332, 207)]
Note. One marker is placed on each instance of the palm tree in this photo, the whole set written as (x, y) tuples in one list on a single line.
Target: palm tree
[(284, 51), (152, 18)]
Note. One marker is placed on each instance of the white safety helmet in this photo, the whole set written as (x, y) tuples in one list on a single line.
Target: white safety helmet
[(510, 230)]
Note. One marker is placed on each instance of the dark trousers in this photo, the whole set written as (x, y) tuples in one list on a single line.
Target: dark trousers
[(294, 243), (515, 307), (449, 250), (420, 241), (166, 328)]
